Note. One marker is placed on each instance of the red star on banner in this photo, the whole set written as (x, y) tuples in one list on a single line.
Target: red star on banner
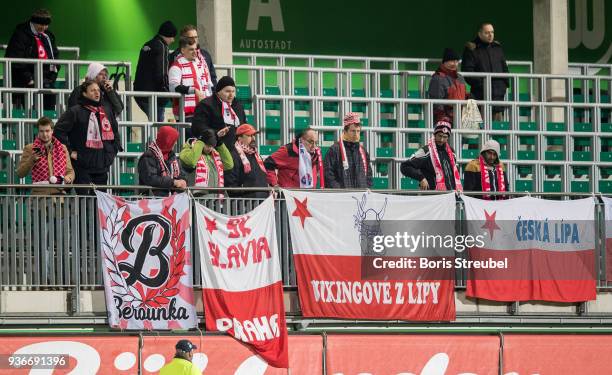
[(490, 224), (301, 210), (211, 225)]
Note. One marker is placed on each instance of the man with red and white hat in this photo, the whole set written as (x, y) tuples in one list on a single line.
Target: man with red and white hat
[(434, 165), (347, 163), (249, 169)]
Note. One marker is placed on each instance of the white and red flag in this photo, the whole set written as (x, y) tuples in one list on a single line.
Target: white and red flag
[(608, 219), (547, 248), (241, 279), (339, 274), (146, 262)]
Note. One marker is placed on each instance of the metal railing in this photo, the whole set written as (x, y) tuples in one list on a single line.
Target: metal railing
[(76, 51), (396, 63), (526, 137), (70, 73), (413, 83), (54, 240)]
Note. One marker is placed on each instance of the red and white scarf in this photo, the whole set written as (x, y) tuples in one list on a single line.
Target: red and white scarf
[(40, 170), (94, 140), (485, 180), (192, 75), (173, 171), (435, 160), (229, 116), (202, 178), (345, 164), (305, 168), (246, 149), (206, 80), (40, 47)]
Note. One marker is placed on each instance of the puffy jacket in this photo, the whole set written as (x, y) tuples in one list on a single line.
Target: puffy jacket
[(152, 68), (472, 180), (71, 130), (285, 160), (150, 173), (352, 178), (208, 115), (237, 177), (419, 166), (446, 84), (479, 56)]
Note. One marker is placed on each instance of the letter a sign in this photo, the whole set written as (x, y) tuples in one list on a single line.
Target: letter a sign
[(241, 279), (145, 250)]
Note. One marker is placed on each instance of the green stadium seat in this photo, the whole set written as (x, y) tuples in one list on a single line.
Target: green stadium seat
[(302, 122), (272, 122), (606, 150), (382, 168), (385, 152), (127, 179), (606, 127), (388, 122), (330, 106), (331, 121), (9, 144), (469, 153), (4, 177), (272, 90), (301, 91), (273, 135), (416, 124), (244, 93), (555, 148), (267, 149), (380, 183), (528, 125), (358, 93), (526, 148), (387, 108), (605, 182), (583, 127), (409, 184), (330, 92), (386, 93), (555, 126), (500, 125), (134, 147), (524, 179), (302, 105), (359, 107), (329, 136), (408, 152), (582, 149), (580, 180)]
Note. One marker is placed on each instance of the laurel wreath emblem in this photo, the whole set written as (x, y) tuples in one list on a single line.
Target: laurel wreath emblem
[(154, 297)]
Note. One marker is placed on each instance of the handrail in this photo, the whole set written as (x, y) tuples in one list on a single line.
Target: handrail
[(75, 50)]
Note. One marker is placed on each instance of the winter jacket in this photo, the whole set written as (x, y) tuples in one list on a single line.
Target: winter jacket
[(23, 45), (479, 56), (150, 173), (27, 161), (208, 115), (336, 177), (472, 181), (190, 154), (446, 84), (109, 99), (237, 177), (283, 167), (207, 58), (71, 130), (152, 68), (419, 166)]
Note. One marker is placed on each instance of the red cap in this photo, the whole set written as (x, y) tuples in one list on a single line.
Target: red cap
[(246, 129)]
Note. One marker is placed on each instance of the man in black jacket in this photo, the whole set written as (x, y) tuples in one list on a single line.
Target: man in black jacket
[(190, 31), (219, 112), (347, 163), (152, 69), (33, 40), (485, 54), (249, 169), (434, 165)]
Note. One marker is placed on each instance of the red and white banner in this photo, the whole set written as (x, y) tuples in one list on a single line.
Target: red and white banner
[(241, 279), (328, 231), (224, 355), (547, 249), (412, 354), (608, 218), (86, 355), (557, 354), (146, 252)]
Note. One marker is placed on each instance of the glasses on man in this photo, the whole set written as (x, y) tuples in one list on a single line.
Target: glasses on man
[(311, 142)]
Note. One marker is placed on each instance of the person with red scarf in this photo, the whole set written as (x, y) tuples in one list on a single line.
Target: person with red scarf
[(297, 164), (435, 165), (347, 162), (249, 169), (447, 83), (220, 112), (47, 159), (34, 40), (158, 166), (91, 135), (487, 173)]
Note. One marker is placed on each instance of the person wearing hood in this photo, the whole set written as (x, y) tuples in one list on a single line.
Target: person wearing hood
[(297, 164), (205, 161), (249, 169), (91, 136), (220, 112), (99, 73), (447, 83), (487, 173), (152, 70), (434, 165), (347, 162), (485, 54), (33, 40), (158, 166)]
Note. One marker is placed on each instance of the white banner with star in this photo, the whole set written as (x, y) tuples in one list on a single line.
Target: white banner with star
[(241, 279), (542, 249), (340, 270)]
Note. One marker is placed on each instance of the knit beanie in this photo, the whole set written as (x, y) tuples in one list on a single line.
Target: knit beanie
[(167, 29), (449, 54)]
